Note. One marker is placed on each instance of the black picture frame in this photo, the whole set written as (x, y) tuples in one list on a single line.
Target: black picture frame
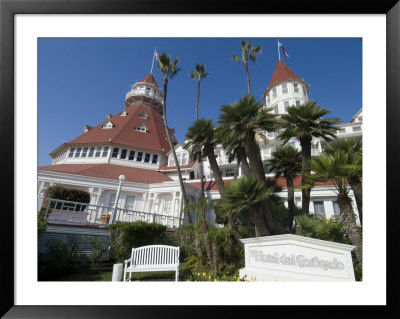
[(8, 10)]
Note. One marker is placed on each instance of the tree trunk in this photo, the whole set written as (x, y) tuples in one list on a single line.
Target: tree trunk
[(198, 98), (209, 151), (207, 243), (215, 260), (243, 160), (197, 245), (257, 168), (356, 186), (183, 191), (349, 220), (305, 143), (290, 190), (200, 159), (259, 224), (246, 66), (237, 167)]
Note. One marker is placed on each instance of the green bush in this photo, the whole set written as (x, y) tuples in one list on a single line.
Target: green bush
[(125, 236), (41, 222), (321, 228), (69, 194)]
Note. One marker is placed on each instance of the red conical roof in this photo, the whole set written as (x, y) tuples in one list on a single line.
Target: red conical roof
[(282, 73), (149, 78)]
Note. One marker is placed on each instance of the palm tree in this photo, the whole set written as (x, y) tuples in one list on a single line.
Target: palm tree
[(169, 70), (286, 162), (353, 167), (248, 193), (201, 140), (200, 208), (243, 119), (199, 74), (330, 167), (248, 52), (304, 122), (233, 147)]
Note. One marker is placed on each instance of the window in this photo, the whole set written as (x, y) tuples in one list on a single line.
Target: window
[(147, 158), (171, 160), (336, 209), (71, 152), (105, 151), (342, 130), (304, 91), (268, 98), (274, 93), (98, 151), (296, 87), (276, 109), (78, 152), (319, 209), (297, 102), (139, 157), (184, 160), (356, 128), (115, 152), (144, 116), (155, 159), (131, 155), (360, 118), (229, 173), (286, 104), (112, 200), (84, 152), (108, 125), (123, 153), (141, 128), (284, 88), (129, 202), (167, 206), (91, 152)]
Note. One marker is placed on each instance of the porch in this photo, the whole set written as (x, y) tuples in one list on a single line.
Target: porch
[(62, 212)]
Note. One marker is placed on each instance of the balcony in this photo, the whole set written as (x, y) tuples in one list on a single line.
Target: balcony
[(61, 212), (145, 93)]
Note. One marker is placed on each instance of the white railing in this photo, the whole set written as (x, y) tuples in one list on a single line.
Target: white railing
[(76, 213), (144, 92)]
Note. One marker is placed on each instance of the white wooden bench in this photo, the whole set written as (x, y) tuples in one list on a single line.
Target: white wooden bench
[(152, 258)]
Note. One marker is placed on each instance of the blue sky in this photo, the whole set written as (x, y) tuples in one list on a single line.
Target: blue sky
[(81, 80)]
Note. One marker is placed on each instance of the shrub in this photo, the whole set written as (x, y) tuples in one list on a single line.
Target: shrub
[(70, 194), (41, 222), (125, 236)]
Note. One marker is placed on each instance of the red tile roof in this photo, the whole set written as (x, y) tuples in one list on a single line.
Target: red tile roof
[(281, 182), (168, 168), (109, 171), (282, 73), (149, 78), (124, 133)]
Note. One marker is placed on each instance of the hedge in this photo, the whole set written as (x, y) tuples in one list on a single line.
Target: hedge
[(125, 236)]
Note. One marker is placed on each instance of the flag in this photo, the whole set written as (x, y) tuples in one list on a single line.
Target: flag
[(156, 55), (279, 44), (284, 52)]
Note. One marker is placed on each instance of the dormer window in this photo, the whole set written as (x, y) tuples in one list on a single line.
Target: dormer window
[(108, 125), (108, 116), (144, 115), (124, 113), (141, 128)]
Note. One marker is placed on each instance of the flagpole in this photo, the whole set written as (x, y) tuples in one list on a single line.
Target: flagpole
[(151, 71), (279, 52)]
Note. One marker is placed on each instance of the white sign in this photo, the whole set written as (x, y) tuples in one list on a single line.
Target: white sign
[(296, 258)]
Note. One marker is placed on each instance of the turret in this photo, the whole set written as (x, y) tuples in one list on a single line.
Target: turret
[(285, 89), (146, 92)]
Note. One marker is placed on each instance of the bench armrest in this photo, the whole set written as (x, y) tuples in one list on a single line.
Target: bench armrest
[(128, 260)]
